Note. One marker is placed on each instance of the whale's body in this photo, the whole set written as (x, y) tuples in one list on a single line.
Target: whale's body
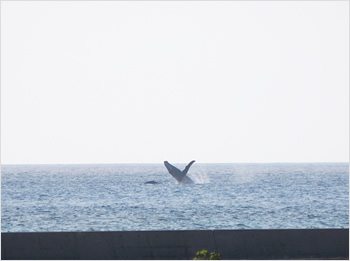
[(179, 175), (152, 182)]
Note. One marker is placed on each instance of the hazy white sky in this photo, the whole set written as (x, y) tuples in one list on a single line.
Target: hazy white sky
[(114, 82)]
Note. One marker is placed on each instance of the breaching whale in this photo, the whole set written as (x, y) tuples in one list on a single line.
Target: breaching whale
[(179, 175)]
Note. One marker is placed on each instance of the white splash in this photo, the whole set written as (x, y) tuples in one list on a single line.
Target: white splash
[(200, 176)]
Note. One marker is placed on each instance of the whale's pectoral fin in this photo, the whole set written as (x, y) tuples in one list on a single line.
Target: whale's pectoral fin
[(171, 168), (188, 167)]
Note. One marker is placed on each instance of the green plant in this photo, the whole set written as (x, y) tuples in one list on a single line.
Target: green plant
[(204, 255)]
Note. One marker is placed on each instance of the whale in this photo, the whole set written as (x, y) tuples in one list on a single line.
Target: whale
[(179, 176), (152, 182)]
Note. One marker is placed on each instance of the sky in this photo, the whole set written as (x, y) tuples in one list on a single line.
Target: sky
[(148, 81)]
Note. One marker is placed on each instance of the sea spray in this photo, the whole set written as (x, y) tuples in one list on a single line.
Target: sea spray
[(200, 176)]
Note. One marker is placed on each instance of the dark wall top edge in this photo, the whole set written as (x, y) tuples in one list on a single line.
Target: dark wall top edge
[(194, 230)]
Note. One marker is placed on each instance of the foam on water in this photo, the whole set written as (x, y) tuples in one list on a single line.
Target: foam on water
[(224, 196)]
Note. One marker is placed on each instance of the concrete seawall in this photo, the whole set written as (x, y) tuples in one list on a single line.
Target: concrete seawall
[(231, 244)]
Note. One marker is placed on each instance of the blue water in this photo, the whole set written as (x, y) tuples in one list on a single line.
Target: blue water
[(224, 196)]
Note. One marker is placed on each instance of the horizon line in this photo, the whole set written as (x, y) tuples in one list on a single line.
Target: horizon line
[(122, 163)]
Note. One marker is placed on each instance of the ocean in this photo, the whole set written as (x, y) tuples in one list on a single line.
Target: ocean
[(114, 197)]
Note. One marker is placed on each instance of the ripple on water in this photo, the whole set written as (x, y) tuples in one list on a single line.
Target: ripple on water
[(227, 196)]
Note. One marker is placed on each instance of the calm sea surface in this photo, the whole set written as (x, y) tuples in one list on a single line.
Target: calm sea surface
[(224, 196)]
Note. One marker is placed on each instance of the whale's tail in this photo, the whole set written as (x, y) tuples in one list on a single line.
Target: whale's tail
[(179, 175)]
